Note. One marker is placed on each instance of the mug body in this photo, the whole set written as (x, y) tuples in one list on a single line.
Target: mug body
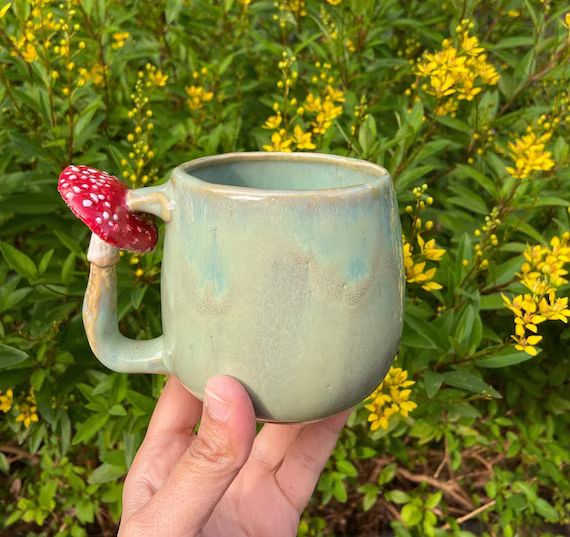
[(283, 270)]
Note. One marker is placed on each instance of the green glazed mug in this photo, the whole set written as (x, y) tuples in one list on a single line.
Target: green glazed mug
[(283, 270)]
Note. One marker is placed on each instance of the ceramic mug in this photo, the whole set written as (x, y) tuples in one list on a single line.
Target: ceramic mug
[(283, 270)]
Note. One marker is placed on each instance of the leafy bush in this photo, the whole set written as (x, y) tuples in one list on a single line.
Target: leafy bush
[(465, 102)]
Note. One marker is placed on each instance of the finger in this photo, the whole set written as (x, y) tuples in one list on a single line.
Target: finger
[(197, 482), (302, 465), (271, 445), (168, 436)]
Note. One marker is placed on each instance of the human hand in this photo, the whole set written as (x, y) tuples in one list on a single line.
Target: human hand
[(224, 481)]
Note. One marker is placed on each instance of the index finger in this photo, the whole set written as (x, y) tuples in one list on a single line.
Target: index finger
[(168, 436)]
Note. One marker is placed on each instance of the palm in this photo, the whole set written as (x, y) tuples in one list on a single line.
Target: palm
[(269, 492)]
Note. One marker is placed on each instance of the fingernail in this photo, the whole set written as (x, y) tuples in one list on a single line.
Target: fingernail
[(217, 408)]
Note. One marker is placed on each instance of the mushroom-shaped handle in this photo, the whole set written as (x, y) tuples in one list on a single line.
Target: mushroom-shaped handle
[(116, 217), (114, 350)]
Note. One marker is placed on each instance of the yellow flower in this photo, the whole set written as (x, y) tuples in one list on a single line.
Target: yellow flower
[(459, 71), (245, 2), (273, 122), (554, 309), (527, 344), (28, 411), (415, 268), (312, 104), (470, 45), (120, 38), (335, 94), (390, 398), (158, 78), (529, 154), (429, 249), (280, 142), (29, 53), (302, 139), (198, 97), (6, 401), (334, 2)]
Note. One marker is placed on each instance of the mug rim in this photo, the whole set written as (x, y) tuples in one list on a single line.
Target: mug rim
[(382, 177)]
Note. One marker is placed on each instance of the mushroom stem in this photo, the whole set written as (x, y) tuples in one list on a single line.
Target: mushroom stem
[(114, 350)]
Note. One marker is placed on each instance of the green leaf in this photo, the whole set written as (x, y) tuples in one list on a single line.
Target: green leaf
[(85, 511), (67, 269), (433, 500), (527, 229), (106, 473), (515, 41), (420, 334), (19, 261), (454, 124), (44, 262), (504, 273), (491, 302), (140, 401), (411, 515), (464, 380), (365, 452), (137, 295), (503, 358), (4, 464), (467, 199), (90, 428), (550, 201), (347, 468), (546, 511), (482, 180), (117, 410), (47, 494), (71, 244), (432, 383), (397, 496), (409, 175), (10, 356), (387, 474), (339, 490)]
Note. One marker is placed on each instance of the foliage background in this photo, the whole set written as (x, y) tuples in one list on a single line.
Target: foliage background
[(136, 87)]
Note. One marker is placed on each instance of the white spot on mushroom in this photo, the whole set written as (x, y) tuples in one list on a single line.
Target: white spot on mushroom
[(87, 203), (76, 189), (69, 195), (64, 185), (94, 197), (85, 185), (105, 215), (91, 170), (100, 196), (99, 220), (115, 217), (107, 204), (72, 176), (111, 224)]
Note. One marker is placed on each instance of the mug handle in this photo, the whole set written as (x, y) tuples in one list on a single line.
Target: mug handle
[(114, 350)]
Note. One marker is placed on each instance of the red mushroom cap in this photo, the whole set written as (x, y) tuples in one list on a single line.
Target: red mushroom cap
[(99, 200)]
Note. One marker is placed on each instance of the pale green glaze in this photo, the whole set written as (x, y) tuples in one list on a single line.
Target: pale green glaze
[(283, 270)]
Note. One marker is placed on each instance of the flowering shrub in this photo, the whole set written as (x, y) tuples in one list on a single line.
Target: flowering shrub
[(465, 103)]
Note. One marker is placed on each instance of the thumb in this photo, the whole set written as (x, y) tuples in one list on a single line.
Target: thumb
[(183, 505)]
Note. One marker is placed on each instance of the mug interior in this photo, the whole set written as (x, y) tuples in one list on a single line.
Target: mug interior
[(284, 171)]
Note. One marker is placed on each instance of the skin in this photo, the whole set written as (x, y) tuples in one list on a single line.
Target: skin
[(224, 480)]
